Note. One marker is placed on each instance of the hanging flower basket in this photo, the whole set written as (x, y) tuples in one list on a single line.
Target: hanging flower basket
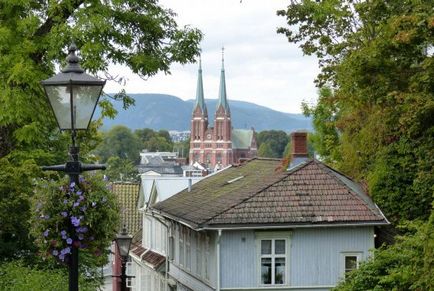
[(66, 215)]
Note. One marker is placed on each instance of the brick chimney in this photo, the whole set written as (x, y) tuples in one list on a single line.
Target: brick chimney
[(299, 152)]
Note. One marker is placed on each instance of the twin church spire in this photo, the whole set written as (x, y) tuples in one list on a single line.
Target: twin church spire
[(222, 99)]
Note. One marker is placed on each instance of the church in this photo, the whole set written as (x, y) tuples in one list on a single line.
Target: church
[(219, 146)]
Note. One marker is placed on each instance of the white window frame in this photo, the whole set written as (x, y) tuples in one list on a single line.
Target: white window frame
[(358, 255), (131, 271), (273, 236)]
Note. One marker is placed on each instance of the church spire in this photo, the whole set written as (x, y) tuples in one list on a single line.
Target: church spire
[(222, 101), (200, 100)]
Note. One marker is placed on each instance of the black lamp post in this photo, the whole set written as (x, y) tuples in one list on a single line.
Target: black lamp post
[(123, 241), (73, 96)]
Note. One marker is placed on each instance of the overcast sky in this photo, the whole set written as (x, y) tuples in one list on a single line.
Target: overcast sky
[(261, 66)]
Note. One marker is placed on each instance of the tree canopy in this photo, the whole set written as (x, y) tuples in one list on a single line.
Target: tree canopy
[(374, 119), (271, 143), (34, 36)]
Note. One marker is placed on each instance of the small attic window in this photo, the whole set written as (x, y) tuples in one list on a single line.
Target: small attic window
[(234, 180)]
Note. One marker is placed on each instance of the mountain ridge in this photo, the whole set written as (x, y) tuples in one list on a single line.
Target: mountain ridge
[(162, 111)]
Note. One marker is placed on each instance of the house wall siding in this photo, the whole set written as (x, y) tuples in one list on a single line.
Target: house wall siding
[(315, 256)]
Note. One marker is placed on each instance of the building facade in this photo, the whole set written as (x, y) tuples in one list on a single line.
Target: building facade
[(260, 227), (221, 145)]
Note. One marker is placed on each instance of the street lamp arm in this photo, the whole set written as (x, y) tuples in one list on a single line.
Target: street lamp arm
[(92, 167), (58, 168)]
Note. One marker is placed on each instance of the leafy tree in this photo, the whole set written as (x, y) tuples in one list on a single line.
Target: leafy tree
[(34, 36), (183, 148), (265, 151), (144, 134), (120, 142), (375, 121), (406, 265), (155, 141), (276, 140), (121, 170)]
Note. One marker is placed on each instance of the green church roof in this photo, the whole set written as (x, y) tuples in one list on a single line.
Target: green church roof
[(200, 99), (222, 100)]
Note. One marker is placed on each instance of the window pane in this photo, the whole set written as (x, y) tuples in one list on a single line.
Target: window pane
[(279, 247), (279, 271), (266, 270), (265, 247), (350, 263)]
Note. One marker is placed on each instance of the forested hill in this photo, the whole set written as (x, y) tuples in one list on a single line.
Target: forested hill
[(160, 111)]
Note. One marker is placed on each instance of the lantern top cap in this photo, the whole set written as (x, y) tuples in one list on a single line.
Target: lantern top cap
[(73, 61)]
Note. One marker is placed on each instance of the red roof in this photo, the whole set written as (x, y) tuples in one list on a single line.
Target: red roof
[(309, 194)]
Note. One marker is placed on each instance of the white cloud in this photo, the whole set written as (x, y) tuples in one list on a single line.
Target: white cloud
[(261, 66)]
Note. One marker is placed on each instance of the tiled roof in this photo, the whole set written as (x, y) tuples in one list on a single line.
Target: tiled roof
[(242, 138), (150, 257), (260, 193), (127, 195)]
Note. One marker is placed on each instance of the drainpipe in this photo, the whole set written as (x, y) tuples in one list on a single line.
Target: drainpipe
[(189, 184), (218, 259)]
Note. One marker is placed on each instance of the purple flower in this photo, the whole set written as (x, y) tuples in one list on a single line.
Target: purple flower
[(72, 185), (81, 198), (55, 253), (69, 241), (79, 192), (76, 204), (62, 257), (80, 236), (83, 208), (81, 179), (82, 229), (65, 201), (63, 232), (46, 232), (46, 216), (65, 251), (75, 221), (64, 213)]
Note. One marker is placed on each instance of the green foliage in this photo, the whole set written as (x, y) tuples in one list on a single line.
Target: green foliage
[(265, 151), (16, 183), (34, 36), (16, 276), (155, 141), (374, 119), (120, 142), (406, 265), (182, 148), (121, 170), (275, 141), (83, 215)]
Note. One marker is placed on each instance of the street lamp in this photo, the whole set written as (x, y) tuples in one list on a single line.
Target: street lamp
[(123, 242), (73, 96)]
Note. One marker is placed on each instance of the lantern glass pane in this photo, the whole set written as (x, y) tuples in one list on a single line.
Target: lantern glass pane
[(85, 99), (60, 101), (124, 246)]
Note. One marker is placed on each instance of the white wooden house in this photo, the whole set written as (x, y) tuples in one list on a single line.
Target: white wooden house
[(259, 226)]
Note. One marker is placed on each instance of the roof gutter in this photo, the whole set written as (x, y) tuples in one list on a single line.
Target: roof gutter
[(235, 227)]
